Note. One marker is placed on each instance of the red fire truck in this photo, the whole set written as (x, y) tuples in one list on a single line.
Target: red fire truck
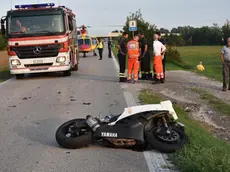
[(41, 38)]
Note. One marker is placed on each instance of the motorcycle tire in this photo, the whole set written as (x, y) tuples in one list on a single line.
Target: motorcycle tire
[(74, 142), (163, 146)]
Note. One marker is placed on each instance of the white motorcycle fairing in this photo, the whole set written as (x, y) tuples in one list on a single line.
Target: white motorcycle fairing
[(129, 111)]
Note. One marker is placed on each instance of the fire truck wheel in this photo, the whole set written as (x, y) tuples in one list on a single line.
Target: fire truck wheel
[(19, 76), (67, 73)]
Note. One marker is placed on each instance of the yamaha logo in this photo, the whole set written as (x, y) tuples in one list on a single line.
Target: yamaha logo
[(105, 134), (37, 50)]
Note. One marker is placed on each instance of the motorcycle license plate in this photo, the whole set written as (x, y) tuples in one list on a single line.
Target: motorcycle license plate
[(37, 61)]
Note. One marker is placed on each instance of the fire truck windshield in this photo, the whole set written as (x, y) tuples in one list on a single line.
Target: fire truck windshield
[(36, 25)]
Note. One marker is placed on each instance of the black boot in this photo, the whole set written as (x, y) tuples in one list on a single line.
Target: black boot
[(143, 76), (122, 79), (156, 81), (149, 76)]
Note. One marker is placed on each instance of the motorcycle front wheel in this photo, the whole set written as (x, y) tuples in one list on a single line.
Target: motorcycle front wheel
[(74, 134), (167, 143)]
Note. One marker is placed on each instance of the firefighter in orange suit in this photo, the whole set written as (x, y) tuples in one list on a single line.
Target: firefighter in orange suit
[(158, 51), (133, 58)]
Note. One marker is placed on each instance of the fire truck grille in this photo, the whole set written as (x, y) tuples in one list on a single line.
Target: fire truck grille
[(27, 52)]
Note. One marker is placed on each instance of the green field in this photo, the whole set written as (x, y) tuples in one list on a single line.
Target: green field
[(208, 55), (192, 55)]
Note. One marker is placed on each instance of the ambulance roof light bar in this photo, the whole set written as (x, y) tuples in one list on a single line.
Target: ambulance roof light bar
[(35, 5)]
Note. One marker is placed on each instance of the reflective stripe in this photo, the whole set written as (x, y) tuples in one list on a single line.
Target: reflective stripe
[(121, 75), (129, 76)]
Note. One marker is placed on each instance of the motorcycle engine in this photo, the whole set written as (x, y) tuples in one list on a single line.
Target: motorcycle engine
[(122, 142)]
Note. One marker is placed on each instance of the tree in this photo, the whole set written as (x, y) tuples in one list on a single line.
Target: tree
[(3, 42), (174, 30), (163, 30), (226, 30), (142, 26)]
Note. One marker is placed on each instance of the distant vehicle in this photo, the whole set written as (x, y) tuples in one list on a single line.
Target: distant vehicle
[(86, 43), (41, 38)]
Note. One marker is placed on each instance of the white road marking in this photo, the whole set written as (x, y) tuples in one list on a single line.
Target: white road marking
[(5, 82), (155, 160)]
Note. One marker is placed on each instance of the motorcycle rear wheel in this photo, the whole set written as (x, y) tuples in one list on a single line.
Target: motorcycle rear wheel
[(80, 135), (165, 145)]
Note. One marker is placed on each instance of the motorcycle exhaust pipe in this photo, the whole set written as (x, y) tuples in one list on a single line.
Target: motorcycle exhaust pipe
[(92, 122)]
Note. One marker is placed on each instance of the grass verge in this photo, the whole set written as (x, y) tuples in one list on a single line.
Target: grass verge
[(4, 75), (216, 103), (204, 153)]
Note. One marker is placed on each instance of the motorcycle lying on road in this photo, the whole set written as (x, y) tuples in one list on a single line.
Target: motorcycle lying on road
[(136, 128)]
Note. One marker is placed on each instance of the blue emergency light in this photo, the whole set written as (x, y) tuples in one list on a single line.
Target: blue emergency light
[(35, 5)]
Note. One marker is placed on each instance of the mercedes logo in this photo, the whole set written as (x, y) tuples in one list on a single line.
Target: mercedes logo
[(37, 50)]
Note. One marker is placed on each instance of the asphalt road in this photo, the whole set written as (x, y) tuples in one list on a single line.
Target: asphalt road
[(32, 109)]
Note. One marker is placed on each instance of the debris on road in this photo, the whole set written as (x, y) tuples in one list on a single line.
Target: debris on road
[(209, 112), (13, 106), (84, 103)]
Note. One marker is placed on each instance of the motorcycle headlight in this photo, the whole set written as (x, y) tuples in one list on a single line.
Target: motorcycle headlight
[(15, 62), (61, 59)]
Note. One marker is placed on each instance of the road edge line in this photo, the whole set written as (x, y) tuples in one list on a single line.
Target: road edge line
[(155, 161), (6, 81)]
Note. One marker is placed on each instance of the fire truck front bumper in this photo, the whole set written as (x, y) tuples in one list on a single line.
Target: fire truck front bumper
[(39, 65)]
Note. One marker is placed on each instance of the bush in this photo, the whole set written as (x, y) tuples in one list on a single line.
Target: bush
[(3, 43), (173, 55)]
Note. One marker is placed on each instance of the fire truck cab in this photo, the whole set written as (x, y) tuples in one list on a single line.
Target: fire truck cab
[(41, 38)]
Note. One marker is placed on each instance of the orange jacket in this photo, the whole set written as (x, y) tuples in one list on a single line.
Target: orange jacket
[(133, 49)]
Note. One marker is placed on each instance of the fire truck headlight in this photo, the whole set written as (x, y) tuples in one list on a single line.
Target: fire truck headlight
[(61, 59), (15, 62)]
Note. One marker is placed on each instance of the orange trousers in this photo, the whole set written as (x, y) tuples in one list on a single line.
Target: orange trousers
[(133, 64), (158, 66)]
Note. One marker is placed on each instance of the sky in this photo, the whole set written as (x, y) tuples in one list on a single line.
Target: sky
[(166, 14)]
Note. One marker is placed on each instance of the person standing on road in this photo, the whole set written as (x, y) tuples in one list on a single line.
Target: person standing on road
[(158, 50), (110, 47), (163, 55), (122, 51), (145, 58), (100, 48), (133, 58), (225, 59)]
